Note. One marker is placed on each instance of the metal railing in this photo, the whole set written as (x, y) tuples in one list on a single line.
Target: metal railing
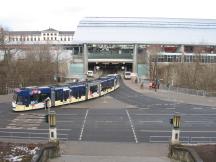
[(188, 91), (183, 139), (31, 135)]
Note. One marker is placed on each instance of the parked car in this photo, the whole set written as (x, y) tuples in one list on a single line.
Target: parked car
[(127, 75), (90, 73)]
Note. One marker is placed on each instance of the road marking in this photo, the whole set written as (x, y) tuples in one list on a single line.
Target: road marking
[(159, 131), (214, 108), (83, 125), (14, 128), (197, 108), (132, 126), (154, 121), (182, 114), (106, 121), (144, 108), (185, 131), (171, 108), (68, 114), (65, 121), (153, 114), (199, 122)]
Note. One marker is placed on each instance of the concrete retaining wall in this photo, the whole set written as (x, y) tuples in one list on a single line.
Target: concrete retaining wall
[(49, 151), (184, 154)]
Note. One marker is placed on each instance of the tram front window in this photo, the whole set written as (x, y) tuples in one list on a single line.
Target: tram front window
[(19, 100)]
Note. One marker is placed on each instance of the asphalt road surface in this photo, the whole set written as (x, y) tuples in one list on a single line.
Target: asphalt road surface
[(136, 118)]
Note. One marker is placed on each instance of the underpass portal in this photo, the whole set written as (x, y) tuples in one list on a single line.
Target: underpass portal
[(109, 68)]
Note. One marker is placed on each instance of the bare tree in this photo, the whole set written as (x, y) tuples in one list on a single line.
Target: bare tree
[(153, 51)]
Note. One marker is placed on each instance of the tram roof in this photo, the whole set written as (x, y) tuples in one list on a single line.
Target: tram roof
[(141, 30)]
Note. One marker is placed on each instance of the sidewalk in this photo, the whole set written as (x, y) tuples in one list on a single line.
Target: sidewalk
[(112, 152), (6, 98), (172, 96)]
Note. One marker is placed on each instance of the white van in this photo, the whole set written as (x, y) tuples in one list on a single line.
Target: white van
[(127, 75), (90, 74)]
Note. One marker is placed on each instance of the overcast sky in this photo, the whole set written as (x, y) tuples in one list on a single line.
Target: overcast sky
[(65, 14)]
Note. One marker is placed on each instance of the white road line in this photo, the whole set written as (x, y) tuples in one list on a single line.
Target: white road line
[(65, 121), (144, 108), (153, 114), (171, 108), (197, 108), (14, 128), (106, 121), (185, 131), (158, 131), (154, 121), (68, 114), (176, 112), (83, 126), (199, 122), (132, 126)]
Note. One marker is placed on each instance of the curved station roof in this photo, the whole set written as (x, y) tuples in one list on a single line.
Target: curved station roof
[(129, 30)]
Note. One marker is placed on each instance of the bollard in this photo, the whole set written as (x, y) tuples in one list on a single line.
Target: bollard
[(175, 122)]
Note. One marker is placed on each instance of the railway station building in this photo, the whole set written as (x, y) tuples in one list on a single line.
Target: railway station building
[(120, 43), (117, 44)]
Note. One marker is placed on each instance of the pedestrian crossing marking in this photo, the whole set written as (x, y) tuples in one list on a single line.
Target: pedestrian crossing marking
[(26, 121)]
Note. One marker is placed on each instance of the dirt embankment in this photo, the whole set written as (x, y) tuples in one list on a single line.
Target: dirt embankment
[(12, 152), (206, 152)]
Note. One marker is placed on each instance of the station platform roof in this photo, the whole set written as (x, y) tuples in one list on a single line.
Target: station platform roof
[(140, 30)]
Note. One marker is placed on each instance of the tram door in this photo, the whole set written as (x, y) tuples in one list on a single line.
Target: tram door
[(66, 93)]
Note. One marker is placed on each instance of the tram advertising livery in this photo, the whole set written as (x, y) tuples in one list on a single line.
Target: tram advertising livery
[(31, 98)]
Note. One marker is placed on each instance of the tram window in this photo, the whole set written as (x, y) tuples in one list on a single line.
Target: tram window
[(42, 97), (58, 95), (75, 92), (66, 95), (34, 98), (83, 91), (94, 89), (19, 100)]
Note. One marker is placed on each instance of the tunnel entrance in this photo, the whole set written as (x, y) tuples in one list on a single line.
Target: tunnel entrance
[(110, 68)]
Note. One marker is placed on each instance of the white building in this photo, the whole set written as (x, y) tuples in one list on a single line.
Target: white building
[(50, 36)]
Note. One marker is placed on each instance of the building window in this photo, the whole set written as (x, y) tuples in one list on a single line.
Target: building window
[(44, 38), (34, 39), (64, 39), (38, 39), (61, 39), (51, 34), (55, 38), (55, 34), (48, 34), (68, 39), (51, 38), (44, 34), (31, 39)]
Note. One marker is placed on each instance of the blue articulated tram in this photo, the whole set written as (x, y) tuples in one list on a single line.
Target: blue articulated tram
[(31, 98)]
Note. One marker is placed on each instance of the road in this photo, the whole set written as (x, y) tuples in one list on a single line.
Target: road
[(122, 116)]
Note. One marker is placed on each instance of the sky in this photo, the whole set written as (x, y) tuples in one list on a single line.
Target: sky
[(37, 15)]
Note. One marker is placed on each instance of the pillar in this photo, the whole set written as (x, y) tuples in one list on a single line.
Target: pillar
[(85, 59), (182, 51), (135, 59), (175, 136), (53, 134)]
